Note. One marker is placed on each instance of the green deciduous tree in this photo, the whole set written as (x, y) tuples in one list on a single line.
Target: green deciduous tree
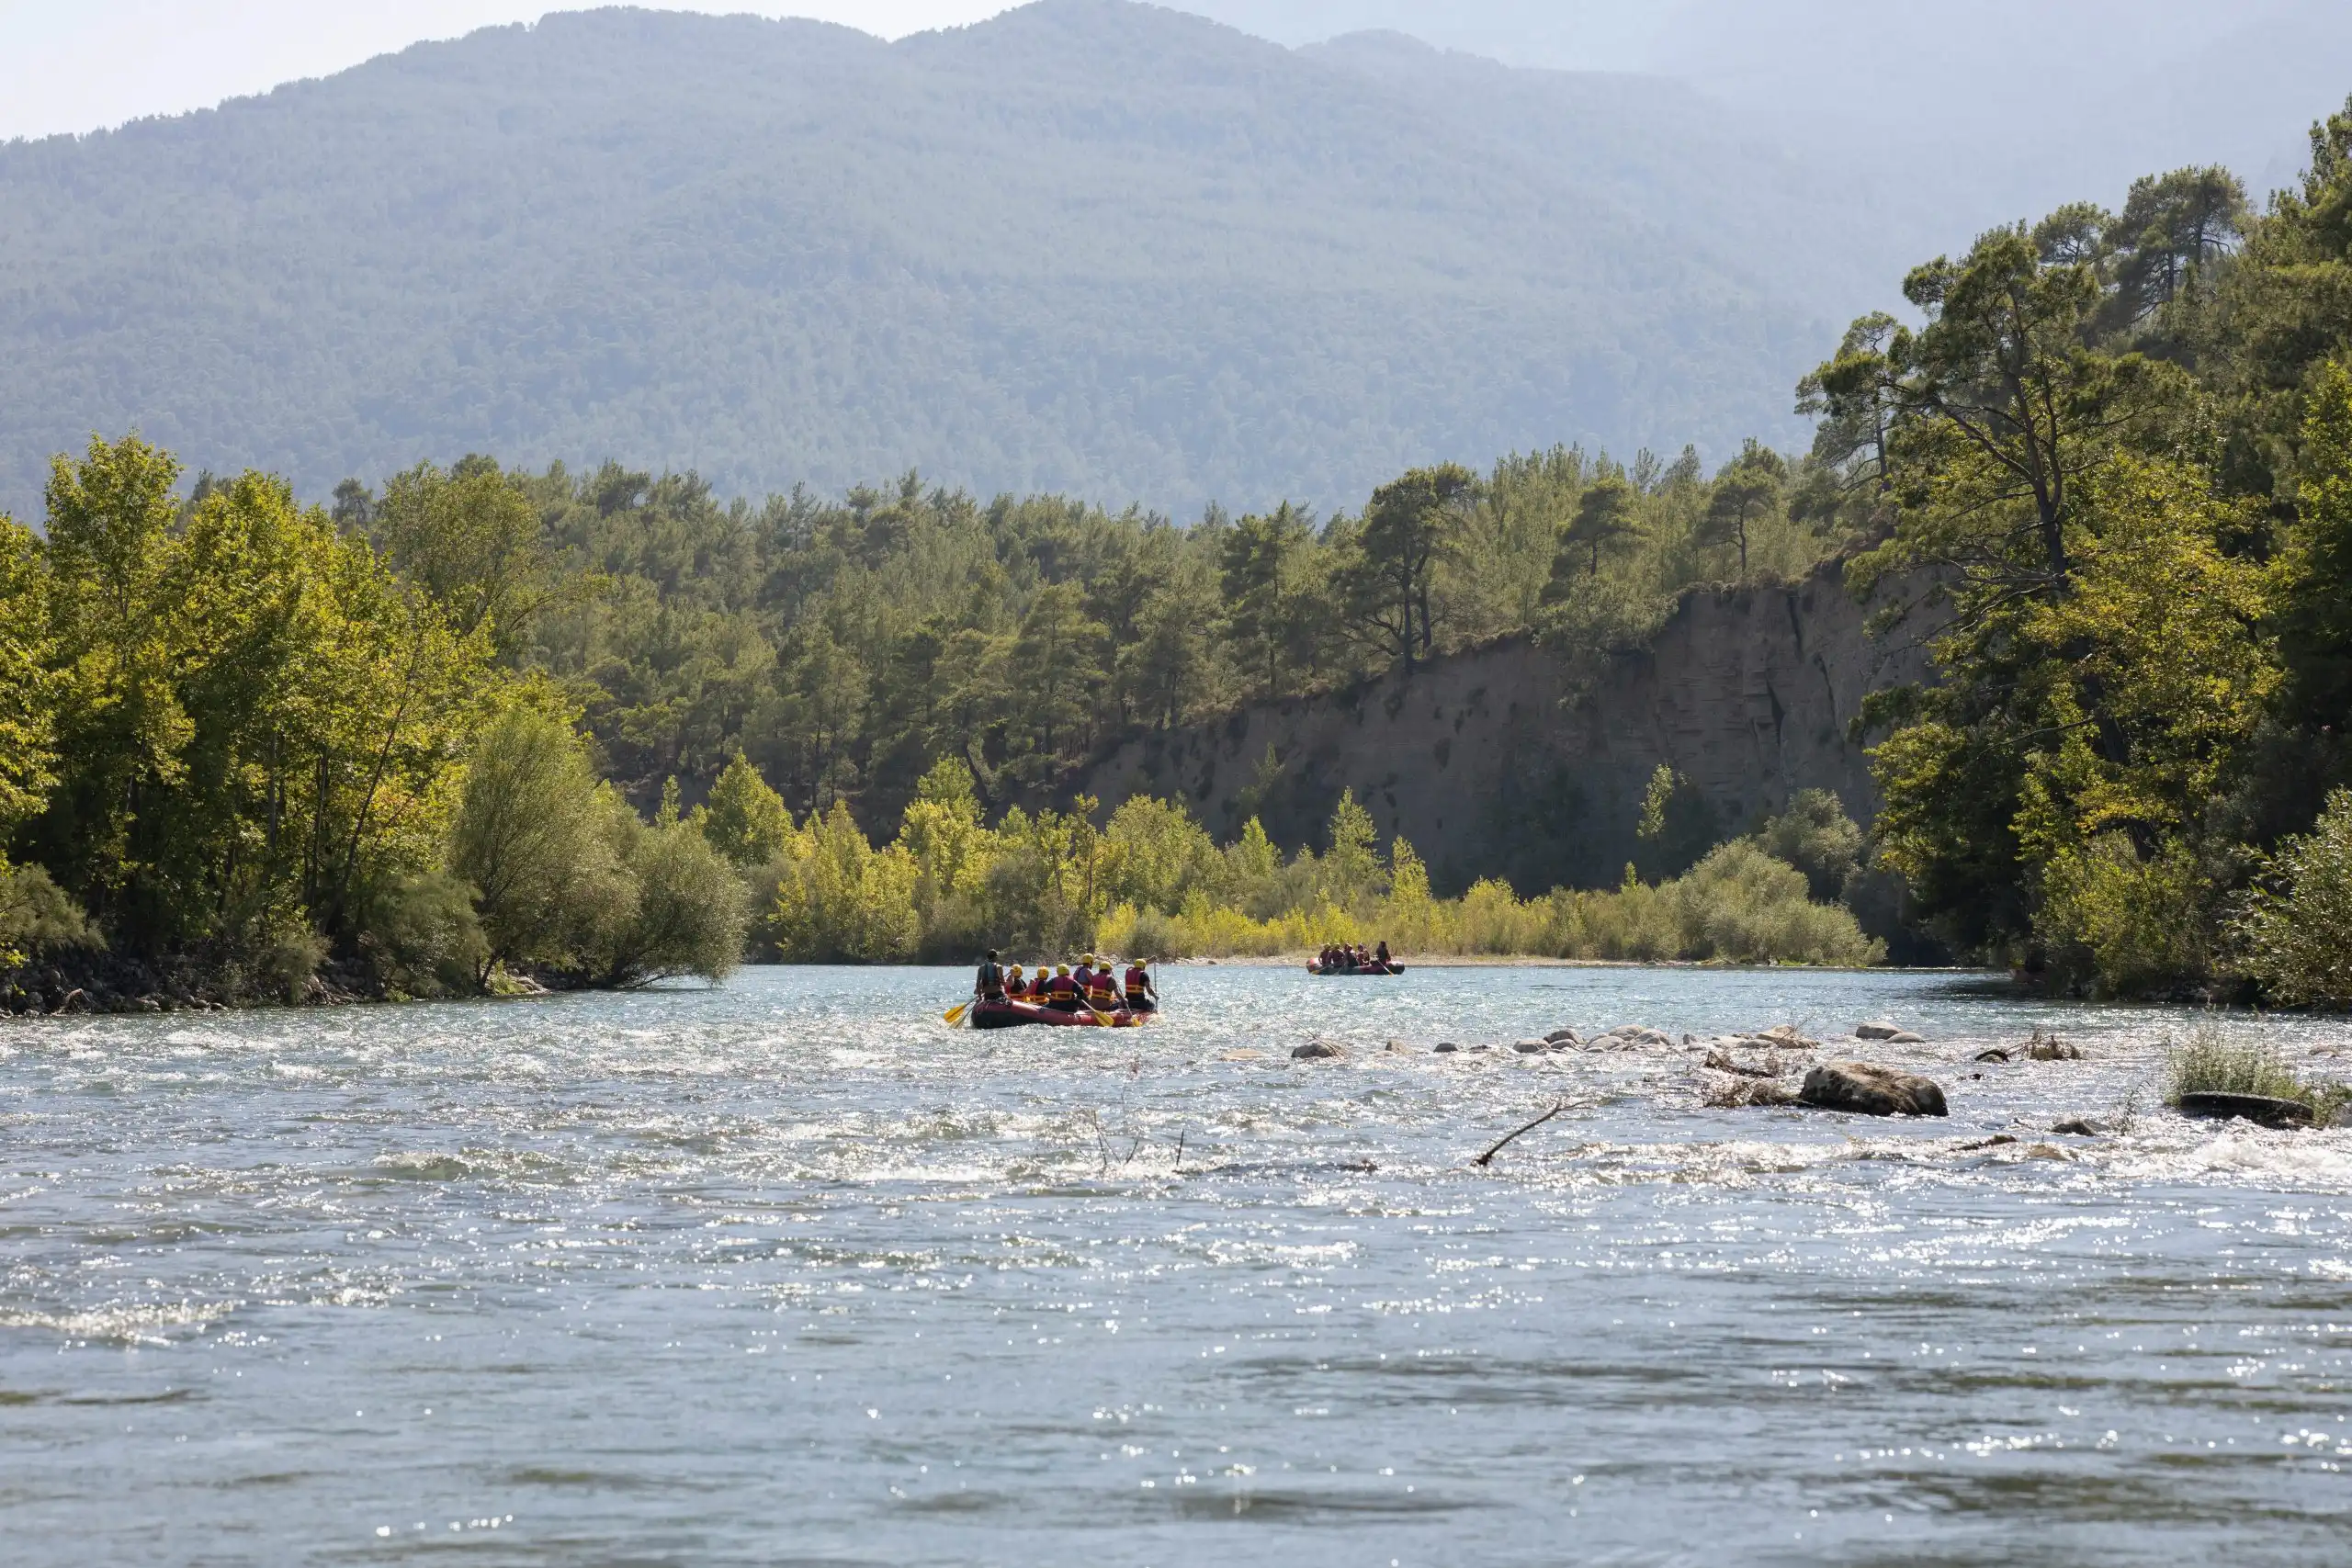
[(470, 538), (1159, 854), (30, 682), (745, 821), (259, 715), (535, 837)]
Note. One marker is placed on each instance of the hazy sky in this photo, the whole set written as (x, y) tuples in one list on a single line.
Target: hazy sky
[(80, 65)]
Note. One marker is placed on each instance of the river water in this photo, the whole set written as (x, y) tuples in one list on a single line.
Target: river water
[(786, 1272)]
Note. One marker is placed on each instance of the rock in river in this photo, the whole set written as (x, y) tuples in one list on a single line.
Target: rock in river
[(1872, 1091), (2256, 1108), (1892, 1033), (1316, 1051), (2049, 1048), (1632, 1037)]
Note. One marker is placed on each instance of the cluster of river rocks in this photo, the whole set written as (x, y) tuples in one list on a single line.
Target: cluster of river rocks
[(1748, 1069)]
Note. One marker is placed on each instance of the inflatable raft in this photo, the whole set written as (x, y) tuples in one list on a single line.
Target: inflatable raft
[(1012, 1015), (1363, 969)]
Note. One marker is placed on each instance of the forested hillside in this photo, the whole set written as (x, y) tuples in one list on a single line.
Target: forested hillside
[(1091, 247), (2117, 446)]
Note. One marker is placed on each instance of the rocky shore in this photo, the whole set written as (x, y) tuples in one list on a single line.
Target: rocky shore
[(84, 981)]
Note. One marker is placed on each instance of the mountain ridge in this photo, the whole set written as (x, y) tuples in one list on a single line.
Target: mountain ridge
[(1087, 245)]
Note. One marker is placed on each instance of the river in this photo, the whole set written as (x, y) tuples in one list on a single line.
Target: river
[(786, 1272)]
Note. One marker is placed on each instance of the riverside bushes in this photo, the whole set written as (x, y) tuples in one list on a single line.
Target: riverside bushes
[(1153, 884), (2295, 936)]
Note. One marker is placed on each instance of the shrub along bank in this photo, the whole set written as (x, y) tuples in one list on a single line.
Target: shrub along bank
[(1152, 882)]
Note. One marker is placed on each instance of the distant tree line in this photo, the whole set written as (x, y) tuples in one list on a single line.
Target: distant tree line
[(846, 646), (460, 730)]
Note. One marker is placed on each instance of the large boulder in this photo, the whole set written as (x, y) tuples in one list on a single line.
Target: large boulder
[(1563, 1037), (1318, 1050), (1872, 1091)]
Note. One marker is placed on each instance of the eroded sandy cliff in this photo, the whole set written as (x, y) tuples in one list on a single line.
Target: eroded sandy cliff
[(1492, 764)]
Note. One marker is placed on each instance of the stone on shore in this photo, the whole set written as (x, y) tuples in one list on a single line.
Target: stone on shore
[(1532, 1047), (1892, 1033), (1563, 1037), (1872, 1091)]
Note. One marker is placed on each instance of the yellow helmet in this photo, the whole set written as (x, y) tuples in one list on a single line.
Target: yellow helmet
[(1061, 969)]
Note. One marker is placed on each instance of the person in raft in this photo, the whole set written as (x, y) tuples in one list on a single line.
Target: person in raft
[(1141, 996), (1061, 992), (989, 983)]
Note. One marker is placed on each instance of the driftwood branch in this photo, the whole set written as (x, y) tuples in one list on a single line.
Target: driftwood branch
[(1488, 1157)]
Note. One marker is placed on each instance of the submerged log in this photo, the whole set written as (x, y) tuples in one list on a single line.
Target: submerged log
[(2259, 1109)]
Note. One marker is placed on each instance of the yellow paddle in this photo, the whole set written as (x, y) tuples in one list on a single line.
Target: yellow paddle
[(955, 1015)]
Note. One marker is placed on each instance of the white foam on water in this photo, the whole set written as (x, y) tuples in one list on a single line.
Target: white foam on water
[(128, 1325)]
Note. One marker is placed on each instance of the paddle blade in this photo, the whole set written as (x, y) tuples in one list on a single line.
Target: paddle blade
[(955, 1016)]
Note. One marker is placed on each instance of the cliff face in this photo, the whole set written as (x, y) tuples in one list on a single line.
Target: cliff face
[(1493, 765)]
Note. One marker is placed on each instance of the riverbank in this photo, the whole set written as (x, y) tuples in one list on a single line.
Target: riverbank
[(87, 980), (1301, 960)]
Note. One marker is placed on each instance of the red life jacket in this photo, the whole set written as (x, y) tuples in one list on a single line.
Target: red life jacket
[(1061, 987), (1138, 983)]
